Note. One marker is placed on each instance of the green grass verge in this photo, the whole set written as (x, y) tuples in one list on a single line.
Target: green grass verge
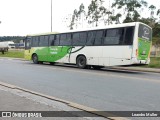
[(154, 63), (13, 54)]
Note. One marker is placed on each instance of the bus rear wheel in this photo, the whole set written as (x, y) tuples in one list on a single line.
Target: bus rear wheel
[(81, 62), (35, 59), (52, 63), (96, 67)]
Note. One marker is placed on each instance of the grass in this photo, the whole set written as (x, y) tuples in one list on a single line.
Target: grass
[(155, 61), (13, 54)]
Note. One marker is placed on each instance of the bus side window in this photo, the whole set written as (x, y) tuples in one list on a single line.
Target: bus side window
[(76, 39), (43, 41), (83, 38), (51, 40), (113, 36), (35, 41), (62, 39), (79, 39), (56, 41), (129, 36), (65, 39), (121, 33), (99, 37), (32, 41), (46, 38), (91, 38), (69, 39)]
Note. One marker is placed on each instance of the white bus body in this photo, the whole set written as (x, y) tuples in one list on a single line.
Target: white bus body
[(122, 44)]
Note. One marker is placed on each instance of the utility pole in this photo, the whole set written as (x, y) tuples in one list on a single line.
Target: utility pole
[(109, 13), (51, 15)]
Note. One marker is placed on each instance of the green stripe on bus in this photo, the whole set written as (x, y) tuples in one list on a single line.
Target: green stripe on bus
[(143, 49)]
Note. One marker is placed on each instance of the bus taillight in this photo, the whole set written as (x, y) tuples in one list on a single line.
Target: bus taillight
[(137, 52)]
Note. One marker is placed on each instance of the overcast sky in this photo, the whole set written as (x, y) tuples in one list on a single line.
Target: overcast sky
[(22, 17)]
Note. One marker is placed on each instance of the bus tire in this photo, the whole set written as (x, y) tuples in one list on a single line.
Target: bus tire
[(52, 63), (96, 67), (81, 62), (35, 59), (40, 62)]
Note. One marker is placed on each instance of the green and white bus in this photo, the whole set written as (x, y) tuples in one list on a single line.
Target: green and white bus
[(121, 44)]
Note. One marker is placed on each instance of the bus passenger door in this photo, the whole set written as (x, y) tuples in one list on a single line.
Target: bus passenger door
[(27, 53)]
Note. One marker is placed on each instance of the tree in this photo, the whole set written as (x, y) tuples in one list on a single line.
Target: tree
[(152, 8), (81, 10), (77, 16), (158, 11), (95, 11), (73, 19), (81, 14), (156, 30), (131, 8), (116, 18)]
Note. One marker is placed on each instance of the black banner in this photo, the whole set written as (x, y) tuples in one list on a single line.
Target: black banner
[(79, 113)]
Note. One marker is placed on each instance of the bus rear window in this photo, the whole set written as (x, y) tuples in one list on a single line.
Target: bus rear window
[(145, 32)]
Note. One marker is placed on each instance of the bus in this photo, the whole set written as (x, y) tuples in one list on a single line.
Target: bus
[(114, 45)]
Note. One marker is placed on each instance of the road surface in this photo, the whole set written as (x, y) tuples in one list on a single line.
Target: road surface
[(109, 90)]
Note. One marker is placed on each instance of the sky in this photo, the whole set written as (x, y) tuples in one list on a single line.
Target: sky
[(22, 17)]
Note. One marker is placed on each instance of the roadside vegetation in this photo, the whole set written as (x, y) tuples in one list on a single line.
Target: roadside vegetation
[(155, 62), (119, 11), (13, 54)]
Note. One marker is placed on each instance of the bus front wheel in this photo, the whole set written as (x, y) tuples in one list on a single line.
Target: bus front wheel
[(35, 59), (81, 62)]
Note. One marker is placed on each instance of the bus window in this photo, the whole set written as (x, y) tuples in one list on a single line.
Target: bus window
[(65, 39), (35, 41), (83, 37), (56, 41), (51, 40), (79, 39), (46, 38), (144, 32), (43, 41), (113, 36), (76, 39), (98, 38), (129, 36), (91, 38)]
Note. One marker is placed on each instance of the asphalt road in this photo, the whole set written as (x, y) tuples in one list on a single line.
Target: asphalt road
[(110, 90)]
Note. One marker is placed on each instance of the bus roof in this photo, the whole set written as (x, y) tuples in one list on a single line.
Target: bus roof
[(43, 34), (95, 28)]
